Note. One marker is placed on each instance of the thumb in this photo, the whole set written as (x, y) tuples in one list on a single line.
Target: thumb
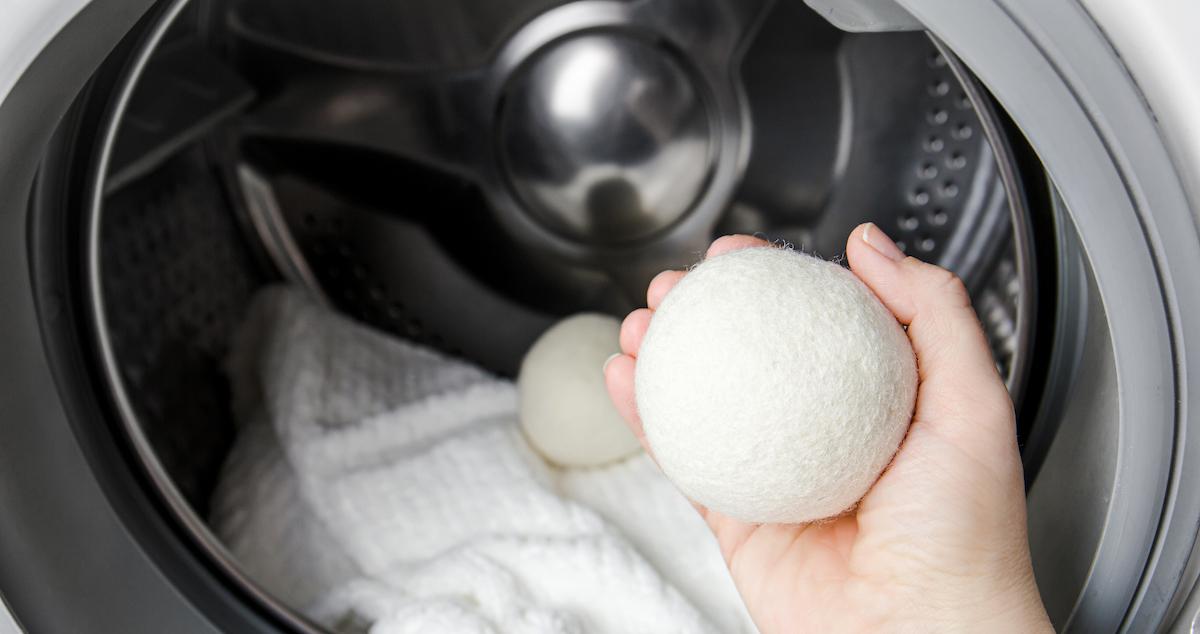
[(958, 377)]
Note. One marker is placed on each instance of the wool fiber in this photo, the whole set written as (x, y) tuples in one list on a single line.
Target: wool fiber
[(564, 407), (774, 387)]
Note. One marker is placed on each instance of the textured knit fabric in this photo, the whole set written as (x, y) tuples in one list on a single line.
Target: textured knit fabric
[(378, 485)]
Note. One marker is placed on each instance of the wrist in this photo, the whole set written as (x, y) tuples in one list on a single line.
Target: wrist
[(971, 606), (1019, 609), (1029, 617)]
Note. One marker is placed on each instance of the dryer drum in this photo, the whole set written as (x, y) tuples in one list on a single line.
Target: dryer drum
[(254, 143), (390, 174), (462, 174)]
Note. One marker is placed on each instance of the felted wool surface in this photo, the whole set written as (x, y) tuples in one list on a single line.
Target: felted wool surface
[(379, 486), (564, 408), (773, 386)]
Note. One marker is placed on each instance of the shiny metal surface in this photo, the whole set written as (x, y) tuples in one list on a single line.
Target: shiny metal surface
[(602, 142), (606, 138), (658, 160)]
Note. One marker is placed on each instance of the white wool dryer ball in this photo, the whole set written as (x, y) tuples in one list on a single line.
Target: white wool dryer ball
[(563, 404), (774, 387)]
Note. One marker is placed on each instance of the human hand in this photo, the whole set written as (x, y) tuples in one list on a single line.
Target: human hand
[(939, 542)]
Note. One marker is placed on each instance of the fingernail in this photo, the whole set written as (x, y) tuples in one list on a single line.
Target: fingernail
[(878, 240), (608, 361)]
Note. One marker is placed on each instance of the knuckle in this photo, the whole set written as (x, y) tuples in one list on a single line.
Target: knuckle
[(948, 285), (953, 287), (938, 282)]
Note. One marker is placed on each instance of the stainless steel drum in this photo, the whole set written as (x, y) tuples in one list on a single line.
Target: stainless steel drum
[(461, 173), (468, 180)]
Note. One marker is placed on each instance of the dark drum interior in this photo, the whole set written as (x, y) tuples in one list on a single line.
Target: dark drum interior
[(382, 157)]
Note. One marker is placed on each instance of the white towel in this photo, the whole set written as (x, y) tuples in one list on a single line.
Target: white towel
[(379, 485)]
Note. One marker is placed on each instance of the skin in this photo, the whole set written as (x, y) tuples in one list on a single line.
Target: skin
[(939, 543)]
